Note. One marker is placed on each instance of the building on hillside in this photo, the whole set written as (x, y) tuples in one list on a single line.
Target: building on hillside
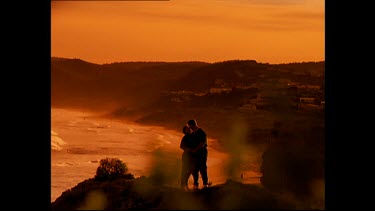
[(308, 87), (309, 107), (285, 80), (293, 83), (249, 106), (218, 90), (310, 100), (323, 104)]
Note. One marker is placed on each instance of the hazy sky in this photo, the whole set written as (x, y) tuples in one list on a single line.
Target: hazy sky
[(273, 31)]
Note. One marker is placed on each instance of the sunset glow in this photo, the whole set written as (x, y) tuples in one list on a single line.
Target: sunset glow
[(267, 31)]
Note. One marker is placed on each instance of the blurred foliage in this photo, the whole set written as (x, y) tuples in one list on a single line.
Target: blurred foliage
[(292, 163), (144, 194)]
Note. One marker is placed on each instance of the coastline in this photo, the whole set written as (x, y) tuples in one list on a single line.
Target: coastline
[(217, 161)]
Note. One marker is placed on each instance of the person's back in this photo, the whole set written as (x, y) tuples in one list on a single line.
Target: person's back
[(200, 136), (200, 153)]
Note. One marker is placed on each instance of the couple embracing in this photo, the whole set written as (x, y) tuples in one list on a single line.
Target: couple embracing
[(194, 157)]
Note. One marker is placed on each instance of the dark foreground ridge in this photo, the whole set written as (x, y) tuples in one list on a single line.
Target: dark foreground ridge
[(145, 193)]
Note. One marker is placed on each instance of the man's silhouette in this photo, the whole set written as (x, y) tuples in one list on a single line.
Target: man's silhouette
[(200, 153)]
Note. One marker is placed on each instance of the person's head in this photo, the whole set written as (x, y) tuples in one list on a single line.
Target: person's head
[(186, 130), (192, 124)]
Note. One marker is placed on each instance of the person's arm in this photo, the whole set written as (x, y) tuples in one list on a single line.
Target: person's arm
[(187, 149), (183, 145), (202, 141), (198, 147)]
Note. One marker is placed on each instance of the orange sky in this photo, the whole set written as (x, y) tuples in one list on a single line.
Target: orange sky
[(272, 31)]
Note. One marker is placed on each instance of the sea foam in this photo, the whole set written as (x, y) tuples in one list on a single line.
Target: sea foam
[(56, 141)]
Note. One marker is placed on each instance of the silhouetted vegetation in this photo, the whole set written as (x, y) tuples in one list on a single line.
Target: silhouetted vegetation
[(112, 168)]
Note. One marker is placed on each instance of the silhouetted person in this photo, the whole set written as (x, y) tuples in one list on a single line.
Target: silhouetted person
[(188, 161), (200, 154)]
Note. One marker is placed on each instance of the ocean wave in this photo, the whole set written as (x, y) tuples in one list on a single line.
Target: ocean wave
[(162, 140), (94, 161), (56, 141), (72, 163), (159, 143), (92, 130)]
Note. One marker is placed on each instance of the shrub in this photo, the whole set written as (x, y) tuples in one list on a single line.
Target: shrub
[(111, 168)]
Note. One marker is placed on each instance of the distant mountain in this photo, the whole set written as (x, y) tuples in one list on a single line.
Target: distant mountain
[(77, 83)]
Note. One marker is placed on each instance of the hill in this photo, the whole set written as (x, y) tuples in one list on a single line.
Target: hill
[(145, 193), (76, 83), (79, 84)]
